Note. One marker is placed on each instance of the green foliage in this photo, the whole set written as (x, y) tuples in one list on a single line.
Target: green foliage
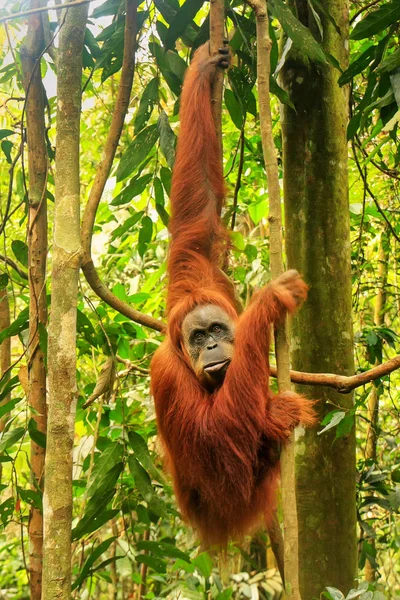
[(125, 517)]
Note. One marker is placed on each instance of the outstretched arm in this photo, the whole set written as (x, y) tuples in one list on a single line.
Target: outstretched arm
[(197, 184)]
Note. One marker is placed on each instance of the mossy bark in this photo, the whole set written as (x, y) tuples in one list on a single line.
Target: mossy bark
[(66, 257), (318, 245)]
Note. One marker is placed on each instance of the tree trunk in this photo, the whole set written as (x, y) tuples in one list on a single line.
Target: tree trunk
[(377, 389), (66, 255), (318, 245), (37, 249), (5, 353), (5, 350)]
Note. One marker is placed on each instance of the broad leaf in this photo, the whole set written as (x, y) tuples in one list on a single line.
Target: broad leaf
[(300, 35), (376, 21), (137, 151)]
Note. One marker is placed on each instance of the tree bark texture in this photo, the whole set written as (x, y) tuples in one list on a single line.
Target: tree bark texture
[(37, 253), (66, 256), (290, 569), (318, 245), (5, 354), (373, 400)]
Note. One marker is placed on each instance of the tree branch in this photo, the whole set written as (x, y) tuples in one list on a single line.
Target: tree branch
[(103, 171), (342, 383), (13, 265), (33, 11)]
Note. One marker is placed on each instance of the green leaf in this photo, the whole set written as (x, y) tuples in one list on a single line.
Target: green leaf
[(7, 384), (160, 566), (126, 226), (280, 93), (173, 81), (31, 497), (376, 20), (390, 62), (86, 329), (37, 436), (258, 211), (166, 10), (136, 186), (95, 554), (9, 438), (166, 178), (141, 451), (234, 108), (7, 146), (137, 151), (20, 250), (334, 593), (164, 216), (142, 479), (300, 35), (158, 191), (357, 66), (334, 420), (147, 102), (145, 234), (90, 524), (20, 324), (175, 64), (8, 407), (167, 138), (321, 9), (204, 564), (95, 513), (5, 133), (183, 17), (3, 281), (163, 549), (103, 464)]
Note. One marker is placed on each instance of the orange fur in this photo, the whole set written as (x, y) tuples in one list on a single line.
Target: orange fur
[(223, 447)]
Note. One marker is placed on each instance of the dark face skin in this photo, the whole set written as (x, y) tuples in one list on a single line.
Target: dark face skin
[(208, 336)]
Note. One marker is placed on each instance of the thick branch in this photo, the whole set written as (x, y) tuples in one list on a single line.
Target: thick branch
[(103, 171), (122, 307), (342, 383)]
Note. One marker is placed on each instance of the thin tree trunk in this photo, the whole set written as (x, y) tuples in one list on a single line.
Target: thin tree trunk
[(37, 249), (318, 245), (66, 254), (276, 258), (5, 350), (373, 400), (5, 353)]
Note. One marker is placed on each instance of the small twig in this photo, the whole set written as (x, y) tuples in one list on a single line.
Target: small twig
[(33, 11), (10, 189), (238, 179), (362, 9), (13, 265), (370, 192)]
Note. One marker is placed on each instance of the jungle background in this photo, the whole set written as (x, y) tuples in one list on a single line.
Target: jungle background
[(335, 97)]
